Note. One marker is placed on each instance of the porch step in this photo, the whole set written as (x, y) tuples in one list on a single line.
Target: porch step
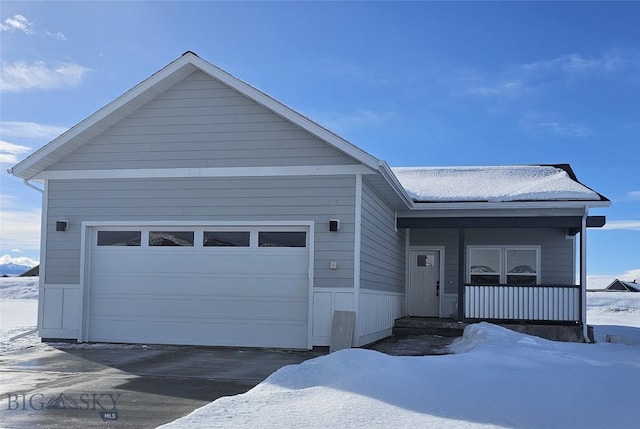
[(428, 326)]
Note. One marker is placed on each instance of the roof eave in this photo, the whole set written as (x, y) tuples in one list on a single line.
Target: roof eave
[(486, 205), (395, 184)]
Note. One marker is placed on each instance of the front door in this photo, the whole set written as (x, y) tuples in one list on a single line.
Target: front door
[(424, 283)]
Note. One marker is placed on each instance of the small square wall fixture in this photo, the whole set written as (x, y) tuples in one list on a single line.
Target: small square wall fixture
[(62, 225), (334, 225)]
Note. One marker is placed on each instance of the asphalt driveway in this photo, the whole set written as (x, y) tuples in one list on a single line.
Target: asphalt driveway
[(132, 386)]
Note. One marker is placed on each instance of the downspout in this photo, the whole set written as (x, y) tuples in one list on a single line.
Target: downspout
[(583, 275), (42, 252)]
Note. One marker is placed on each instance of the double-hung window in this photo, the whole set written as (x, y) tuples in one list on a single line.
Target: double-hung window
[(515, 265)]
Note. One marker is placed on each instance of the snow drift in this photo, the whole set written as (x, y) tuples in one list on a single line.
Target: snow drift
[(497, 378)]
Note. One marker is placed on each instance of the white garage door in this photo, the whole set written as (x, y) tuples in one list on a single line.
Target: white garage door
[(232, 286)]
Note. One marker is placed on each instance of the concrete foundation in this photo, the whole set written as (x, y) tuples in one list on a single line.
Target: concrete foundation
[(569, 334), (450, 328)]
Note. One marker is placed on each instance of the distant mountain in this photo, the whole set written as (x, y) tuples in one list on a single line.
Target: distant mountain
[(10, 266), (11, 269)]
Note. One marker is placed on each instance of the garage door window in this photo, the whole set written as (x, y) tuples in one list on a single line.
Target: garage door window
[(171, 238), (226, 239), (282, 239), (119, 238)]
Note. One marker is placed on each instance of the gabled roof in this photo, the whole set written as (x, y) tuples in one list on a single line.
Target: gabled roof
[(623, 285), (555, 184), (514, 183), (153, 86)]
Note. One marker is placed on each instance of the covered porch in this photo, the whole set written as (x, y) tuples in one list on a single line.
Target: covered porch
[(517, 271)]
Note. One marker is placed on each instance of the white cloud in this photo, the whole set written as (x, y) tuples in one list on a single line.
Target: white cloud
[(9, 152), (362, 118), (552, 124), (629, 225), (21, 76), (19, 260), (507, 88), (570, 129), (630, 275), (601, 281), (524, 78), (576, 64), (20, 228), (17, 22), (347, 70), (30, 130), (20, 23), (58, 35), (634, 195)]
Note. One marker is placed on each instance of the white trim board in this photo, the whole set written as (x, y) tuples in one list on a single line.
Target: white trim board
[(357, 248), (190, 223), (156, 173)]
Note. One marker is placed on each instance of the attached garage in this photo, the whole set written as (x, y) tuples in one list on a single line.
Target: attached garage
[(231, 285)]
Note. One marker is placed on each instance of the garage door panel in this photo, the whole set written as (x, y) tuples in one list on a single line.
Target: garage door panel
[(227, 332), (208, 296), (295, 310), (265, 262), (240, 284), (260, 308)]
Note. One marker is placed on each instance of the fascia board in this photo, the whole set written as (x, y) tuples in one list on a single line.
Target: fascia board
[(509, 205), (393, 181)]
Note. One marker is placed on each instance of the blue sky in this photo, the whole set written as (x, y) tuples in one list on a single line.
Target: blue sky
[(411, 83)]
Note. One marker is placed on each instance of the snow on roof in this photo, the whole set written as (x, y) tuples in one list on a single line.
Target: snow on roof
[(492, 183)]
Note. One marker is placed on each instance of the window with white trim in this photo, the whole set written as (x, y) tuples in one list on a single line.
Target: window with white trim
[(514, 265)]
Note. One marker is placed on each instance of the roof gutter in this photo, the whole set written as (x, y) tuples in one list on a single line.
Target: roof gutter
[(26, 181), (31, 185), (475, 205)]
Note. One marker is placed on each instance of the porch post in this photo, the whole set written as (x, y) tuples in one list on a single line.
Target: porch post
[(583, 276), (461, 272)]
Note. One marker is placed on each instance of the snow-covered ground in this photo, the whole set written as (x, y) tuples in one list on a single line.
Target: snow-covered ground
[(495, 378), (616, 314), (18, 311)]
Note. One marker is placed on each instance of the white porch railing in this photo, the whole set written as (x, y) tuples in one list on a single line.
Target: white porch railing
[(528, 303)]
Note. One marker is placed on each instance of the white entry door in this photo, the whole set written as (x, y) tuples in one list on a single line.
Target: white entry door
[(424, 283)]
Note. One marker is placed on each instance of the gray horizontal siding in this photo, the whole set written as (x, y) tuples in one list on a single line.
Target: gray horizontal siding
[(205, 199), (382, 265), (557, 264), (199, 123)]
